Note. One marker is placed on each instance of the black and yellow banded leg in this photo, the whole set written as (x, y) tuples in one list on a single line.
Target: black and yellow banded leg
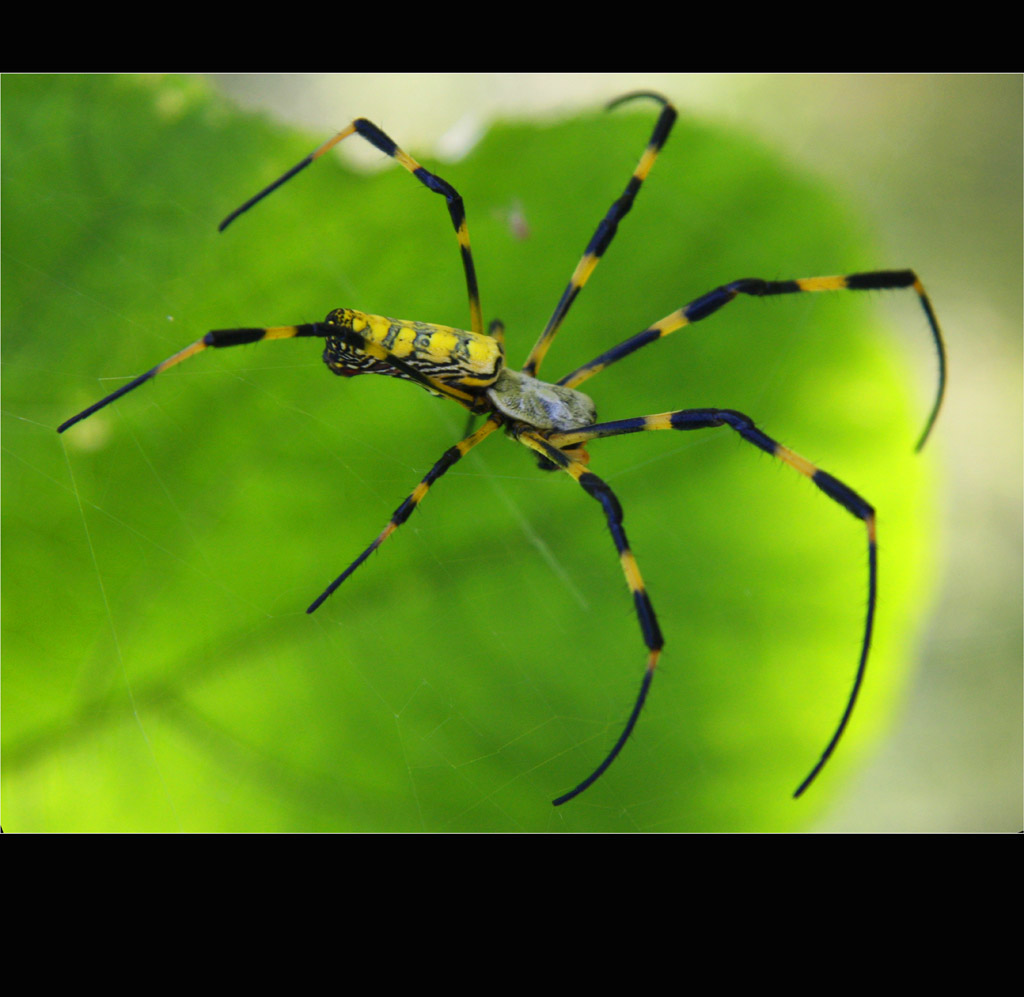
[(216, 338), (238, 337), (599, 490), (606, 230), (833, 488), (450, 457), (708, 304), (377, 138)]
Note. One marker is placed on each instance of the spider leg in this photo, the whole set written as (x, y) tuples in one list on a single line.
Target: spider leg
[(239, 337), (450, 457), (219, 337), (599, 490), (602, 238), (707, 304), (834, 489), (387, 145)]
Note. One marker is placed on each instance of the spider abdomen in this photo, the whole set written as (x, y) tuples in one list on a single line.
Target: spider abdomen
[(468, 360)]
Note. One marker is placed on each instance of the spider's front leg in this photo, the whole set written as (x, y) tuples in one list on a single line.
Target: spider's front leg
[(598, 489), (602, 237), (688, 419), (707, 304)]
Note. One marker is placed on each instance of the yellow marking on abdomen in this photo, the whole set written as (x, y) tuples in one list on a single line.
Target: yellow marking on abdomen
[(477, 356)]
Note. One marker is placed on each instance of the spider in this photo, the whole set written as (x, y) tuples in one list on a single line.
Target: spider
[(555, 420)]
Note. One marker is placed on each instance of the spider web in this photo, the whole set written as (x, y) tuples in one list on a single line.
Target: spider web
[(486, 657)]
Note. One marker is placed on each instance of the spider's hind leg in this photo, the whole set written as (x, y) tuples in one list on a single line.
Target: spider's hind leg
[(382, 141), (448, 459)]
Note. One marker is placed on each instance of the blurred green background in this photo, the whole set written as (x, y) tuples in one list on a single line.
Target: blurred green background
[(159, 670)]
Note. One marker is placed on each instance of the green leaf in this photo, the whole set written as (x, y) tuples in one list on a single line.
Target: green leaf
[(160, 671)]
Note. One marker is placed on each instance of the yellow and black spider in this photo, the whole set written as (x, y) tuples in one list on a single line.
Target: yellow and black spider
[(554, 419)]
